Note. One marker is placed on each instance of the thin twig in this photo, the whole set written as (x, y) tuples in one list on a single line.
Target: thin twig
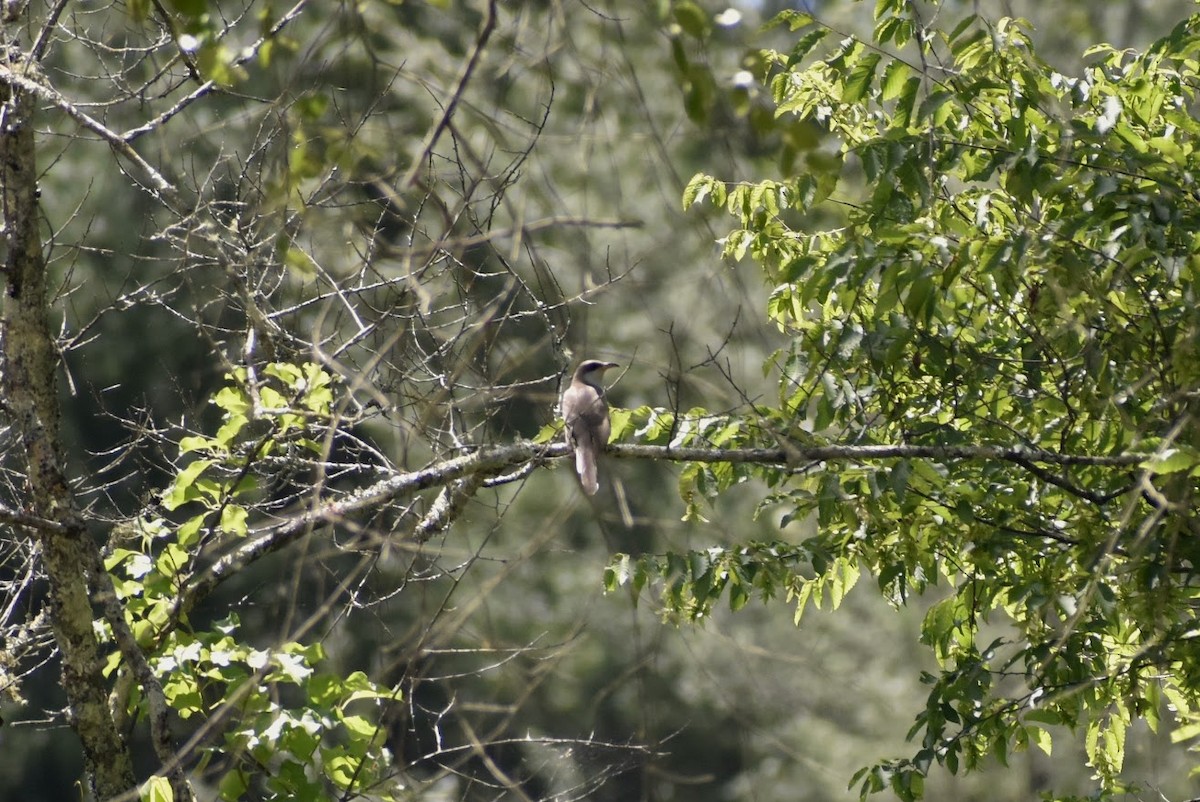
[(460, 87), (160, 184), (208, 86)]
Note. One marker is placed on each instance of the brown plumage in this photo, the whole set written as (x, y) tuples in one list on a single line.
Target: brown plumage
[(586, 414)]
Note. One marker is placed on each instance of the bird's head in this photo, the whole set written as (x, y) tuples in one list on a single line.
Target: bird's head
[(591, 370)]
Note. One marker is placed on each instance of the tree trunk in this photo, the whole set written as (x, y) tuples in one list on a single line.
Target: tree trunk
[(31, 402)]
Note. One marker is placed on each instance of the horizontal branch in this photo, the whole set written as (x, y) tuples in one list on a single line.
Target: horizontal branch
[(860, 453), (25, 520), (271, 538), (495, 459), (461, 476)]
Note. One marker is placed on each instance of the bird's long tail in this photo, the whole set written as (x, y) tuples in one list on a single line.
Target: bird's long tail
[(585, 466)]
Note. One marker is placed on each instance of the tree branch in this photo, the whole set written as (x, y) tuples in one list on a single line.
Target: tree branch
[(460, 86), (16, 81), (25, 520), (208, 86), (447, 506), (860, 453), (490, 461)]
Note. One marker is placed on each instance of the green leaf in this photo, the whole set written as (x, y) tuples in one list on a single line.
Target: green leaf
[(218, 64), (233, 785), (859, 82), (895, 76), (360, 727), (1186, 732), (272, 399), (739, 595), (806, 44), (342, 770), (371, 692), (1172, 460), (1040, 738), (692, 19), (802, 597), (1125, 132), (156, 789), (233, 400), (549, 432), (117, 557), (183, 489), (844, 579), (233, 520), (792, 18), (195, 443), (189, 531), (229, 431), (932, 104), (620, 422), (696, 190), (173, 559), (908, 99)]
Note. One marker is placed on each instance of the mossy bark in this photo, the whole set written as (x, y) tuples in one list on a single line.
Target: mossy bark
[(31, 401)]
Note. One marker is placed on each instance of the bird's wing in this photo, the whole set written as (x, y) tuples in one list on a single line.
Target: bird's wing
[(586, 417)]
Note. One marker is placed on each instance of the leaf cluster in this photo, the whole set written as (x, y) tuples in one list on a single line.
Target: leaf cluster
[(293, 727), (1014, 263)]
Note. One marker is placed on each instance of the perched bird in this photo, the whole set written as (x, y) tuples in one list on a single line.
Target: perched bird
[(586, 414)]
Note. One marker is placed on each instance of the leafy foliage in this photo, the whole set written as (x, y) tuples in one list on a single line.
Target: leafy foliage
[(429, 199), (1014, 261), (327, 739)]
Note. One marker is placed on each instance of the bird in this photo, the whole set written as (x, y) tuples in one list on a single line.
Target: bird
[(586, 415)]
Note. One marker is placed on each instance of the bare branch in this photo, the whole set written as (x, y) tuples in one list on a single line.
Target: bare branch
[(460, 86), (447, 506), (25, 520), (43, 38), (207, 87), (10, 77)]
